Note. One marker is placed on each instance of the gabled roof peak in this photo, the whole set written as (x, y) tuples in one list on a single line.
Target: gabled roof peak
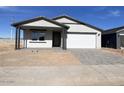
[(77, 21), (36, 19), (62, 16)]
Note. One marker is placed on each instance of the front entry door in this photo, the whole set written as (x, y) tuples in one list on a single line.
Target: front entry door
[(56, 39)]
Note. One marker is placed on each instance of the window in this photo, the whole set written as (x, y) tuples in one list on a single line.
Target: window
[(34, 35), (37, 35), (41, 35)]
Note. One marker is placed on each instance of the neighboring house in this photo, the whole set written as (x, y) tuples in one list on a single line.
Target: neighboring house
[(62, 31), (113, 38)]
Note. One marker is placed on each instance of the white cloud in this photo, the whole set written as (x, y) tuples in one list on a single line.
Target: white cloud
[(115, 13), (111, 13)]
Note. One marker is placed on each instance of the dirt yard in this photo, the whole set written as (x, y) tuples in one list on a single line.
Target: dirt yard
[(33, 57), (114, 51), (59, 67)]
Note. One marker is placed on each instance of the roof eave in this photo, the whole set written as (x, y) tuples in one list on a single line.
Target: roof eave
[(78, 22), (35, 19)]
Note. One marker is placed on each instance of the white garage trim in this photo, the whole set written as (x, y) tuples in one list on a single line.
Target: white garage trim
[(81, 40), (81, 33)]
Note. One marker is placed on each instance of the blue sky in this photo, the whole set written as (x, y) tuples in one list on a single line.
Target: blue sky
[(102, 17)]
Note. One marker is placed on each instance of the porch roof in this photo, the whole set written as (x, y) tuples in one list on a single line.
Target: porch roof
[(40, 28), (21, 23)]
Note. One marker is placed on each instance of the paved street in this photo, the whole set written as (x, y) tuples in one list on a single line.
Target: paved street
[(63, 75)]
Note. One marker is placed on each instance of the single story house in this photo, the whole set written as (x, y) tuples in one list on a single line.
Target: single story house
[(113, 38), (62, 31)]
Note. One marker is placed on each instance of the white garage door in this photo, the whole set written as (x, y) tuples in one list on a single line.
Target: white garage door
[(81, 40)]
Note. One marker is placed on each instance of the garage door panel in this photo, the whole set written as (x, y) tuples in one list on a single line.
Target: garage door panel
[(81, 41)]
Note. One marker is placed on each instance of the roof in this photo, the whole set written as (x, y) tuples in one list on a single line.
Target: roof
[(113, 30), (83, 23), (36, 19)]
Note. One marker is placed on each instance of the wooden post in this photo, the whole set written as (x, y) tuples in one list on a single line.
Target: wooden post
[(64, 39), (19, 38), (16, 36)]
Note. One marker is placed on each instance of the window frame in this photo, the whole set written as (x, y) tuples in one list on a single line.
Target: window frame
[(35, 36)]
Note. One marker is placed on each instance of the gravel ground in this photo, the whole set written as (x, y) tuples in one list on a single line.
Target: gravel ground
[(97, 57)]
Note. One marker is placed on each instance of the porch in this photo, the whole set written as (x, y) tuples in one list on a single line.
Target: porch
[(41, 33), (41, 37)]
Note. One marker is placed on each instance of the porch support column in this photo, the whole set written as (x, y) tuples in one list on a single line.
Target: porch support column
[(64, 39), (16, 37), (19, 38)]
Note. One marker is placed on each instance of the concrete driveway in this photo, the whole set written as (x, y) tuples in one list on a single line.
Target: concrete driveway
[(97, 67)]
